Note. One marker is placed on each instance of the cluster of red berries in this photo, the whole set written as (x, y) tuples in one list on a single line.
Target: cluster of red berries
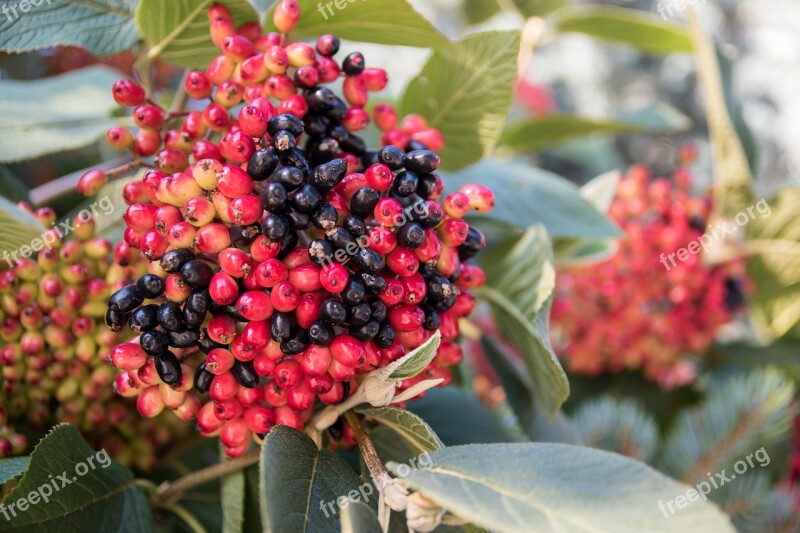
[(52, 308), (630, 312), (11, 443), (294, 269)]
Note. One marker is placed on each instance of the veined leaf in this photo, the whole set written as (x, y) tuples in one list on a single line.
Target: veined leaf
[(357, 517), (628, 26), (465, 91), (177, 31), (416, 360), (232, 494), (20, 232), (103, 27), (298, 481), (373, 21), (407, 425), (12, 467), (104, 498), (557, 487), (520, 282), (54, 114)]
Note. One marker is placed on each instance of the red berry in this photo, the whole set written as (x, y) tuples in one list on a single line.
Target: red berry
[(431, 137), (274, 394), (223, 289), (220, 69), (320, 384), (375, 79), (237, 47), (334, 278), (328, 70), (285, 416), (223, 387), (90, 183), (481, 198), (306, 77), (212, 238), (119, 138), (141, 216), (197, 85), (389, 212), (288, 374), (301, 54), (264, 366), (286, 15), (405, 317), (454, 231), (456, 204), (334, 396), (294, 104), (229, 409), (348, 351), (300, 397), (149, 402), (245, 210), (402, 261), (279, 86), (355, 91), (285, 297), (129, 356), (128, 93), (256, 334), (340, 372), (431, 247), (237, 146), (385, 117), (414, 288), (176, 290), (219, 361), (216, 117), (233, 181), (207, 422), (148, 117), (154, 245), (394, 292), (222, 329), (146, 142), (315, 360), (254, 306), (276, 60), (271, 272), (308, 310), (235, 262), (253, 121), (259, 419)]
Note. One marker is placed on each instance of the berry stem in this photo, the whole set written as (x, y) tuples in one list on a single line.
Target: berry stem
[(367, 448), (170, 492)]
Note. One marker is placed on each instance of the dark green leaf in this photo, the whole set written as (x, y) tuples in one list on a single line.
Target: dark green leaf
[(372, 21), (636, 28), (11, 187), (54, 114), (557, 487), (104, 498), (12, 467), (526, 195), (232, 494), (480, 10), (416, 360), (298, 481), (103, 27), (465, 91), (537, 8), (781, 354), (177, 31), (458, 417), (520, 282), (357, 517)]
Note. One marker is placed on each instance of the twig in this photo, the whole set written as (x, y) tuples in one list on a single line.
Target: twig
[(184, 514), (170, 492)]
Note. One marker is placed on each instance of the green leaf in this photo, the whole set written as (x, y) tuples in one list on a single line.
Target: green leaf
[(781, 354), (103, 27), (359, 518), (519, 395), (407, 425), (557, 487), (416, 360), (232, 492), (526, 195), (743, 415), (458, 417), (537, 133), (373, 21), (601, 190), (480, 10), (18, 230), (12, 467), (177, 31), (298, 481), (743, 130), (537, 8), (105, 498), (773, 244), (54, 114), (619, 426), (732, 177), (11, 187), (520, 282), (628, 26), (465, 91)]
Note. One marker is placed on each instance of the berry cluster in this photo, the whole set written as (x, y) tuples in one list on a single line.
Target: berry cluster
[(51, 309), (288, 257), (11, 443), (630, 312)]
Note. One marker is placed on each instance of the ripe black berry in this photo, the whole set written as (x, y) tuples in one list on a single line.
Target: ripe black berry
[(297, 219), (320, 99), (284, 142), (170, 316), (183, 339), (287, 122), (391, 156), (280, 326), (366, 332), (411, 235), (320, 251), (374, 283), (355, 225), (296, 344), (385, 337), (199, 301), (321, 334), (426, 185), (275, 227), (154, 342), (168, 368), (126, 299), (432, 319), (274, 197), (378, 310), (328, 45), (150, 286), (306, 199), (114, 320), (364, 201), (405, 184), (193, 319), (355, 291), (326, 176), (173, 260), (475, 243), (197, 274), (353, 64), (245, 374), (340, 238), (289, 177), (358, 315), (368, 260), (325, 216), (202, 379), (144, 318), (439, 287), (244, 235), (262, 164), (421, 161), (333, 312)]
